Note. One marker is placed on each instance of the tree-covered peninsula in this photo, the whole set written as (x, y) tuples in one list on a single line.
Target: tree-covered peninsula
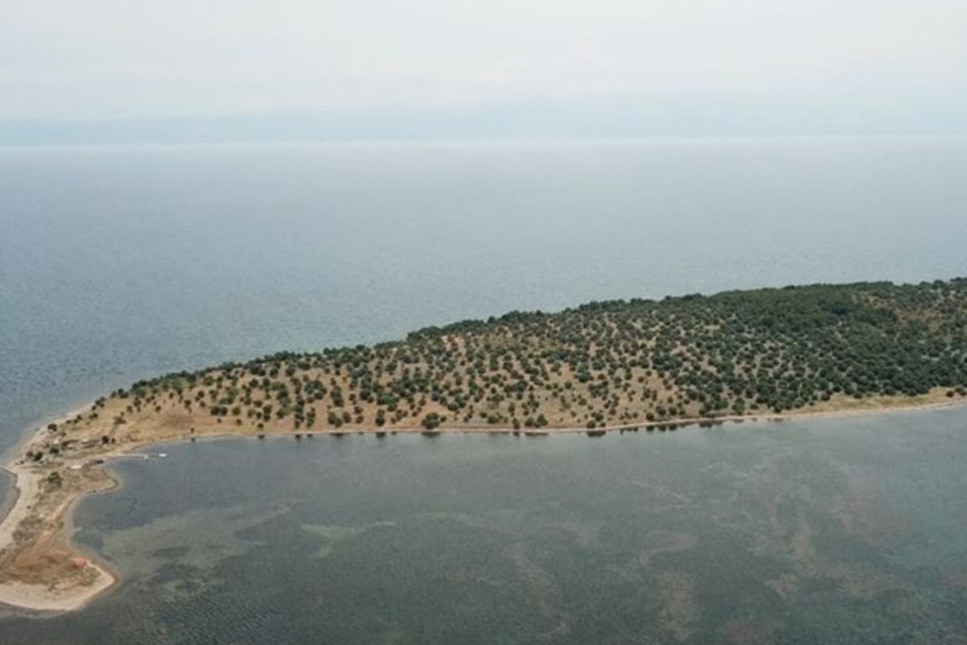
[(641, 363), (603, 364)]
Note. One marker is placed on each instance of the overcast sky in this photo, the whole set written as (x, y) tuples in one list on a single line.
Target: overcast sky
[(106, 59)]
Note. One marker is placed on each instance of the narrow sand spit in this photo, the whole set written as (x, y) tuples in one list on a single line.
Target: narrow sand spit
[(39, 569), (45, 599)]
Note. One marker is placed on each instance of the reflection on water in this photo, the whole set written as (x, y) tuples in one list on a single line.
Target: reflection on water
[(835, 530)]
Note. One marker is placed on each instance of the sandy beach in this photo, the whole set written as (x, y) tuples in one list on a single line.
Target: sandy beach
[(69, 595), (61, 593)]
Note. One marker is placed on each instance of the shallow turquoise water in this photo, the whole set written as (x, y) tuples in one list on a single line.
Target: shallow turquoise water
[(831, 530)]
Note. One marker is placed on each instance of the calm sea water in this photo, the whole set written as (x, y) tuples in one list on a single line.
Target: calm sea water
[(829, 531), (120, 263)]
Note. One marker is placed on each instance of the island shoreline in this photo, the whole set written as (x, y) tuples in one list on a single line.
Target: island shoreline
[(35, 600)]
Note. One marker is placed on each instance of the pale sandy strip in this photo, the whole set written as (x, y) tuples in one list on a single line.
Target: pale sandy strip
[(41, 598), (27, 487)]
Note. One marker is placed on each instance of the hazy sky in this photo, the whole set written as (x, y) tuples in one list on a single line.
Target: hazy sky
[(105, 59)]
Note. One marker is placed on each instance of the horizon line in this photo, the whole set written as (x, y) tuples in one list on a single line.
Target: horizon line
[(548, 139)]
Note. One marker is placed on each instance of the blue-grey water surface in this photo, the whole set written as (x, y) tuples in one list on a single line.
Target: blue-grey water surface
[(824, 531), (119, 263)]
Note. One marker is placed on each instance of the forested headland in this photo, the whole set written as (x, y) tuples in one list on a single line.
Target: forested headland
[(602, 364)]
